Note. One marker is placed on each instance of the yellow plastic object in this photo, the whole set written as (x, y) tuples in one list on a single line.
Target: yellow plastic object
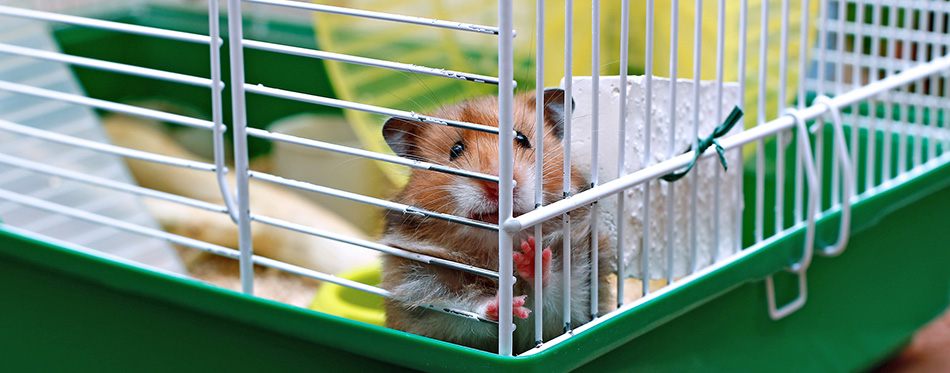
[(353, 304), (477, 53)]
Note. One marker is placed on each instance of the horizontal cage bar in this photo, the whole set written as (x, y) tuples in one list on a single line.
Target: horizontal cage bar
[(103, 148), (104, 25), (373, 246), (398, 66), (107, 183), (106, 65), (319, 100), (405, 209), (264, 134), (380, 16), (106, 105)]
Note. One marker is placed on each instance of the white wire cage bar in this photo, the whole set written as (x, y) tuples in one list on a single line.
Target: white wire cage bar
[(842, 80), (195, 122)]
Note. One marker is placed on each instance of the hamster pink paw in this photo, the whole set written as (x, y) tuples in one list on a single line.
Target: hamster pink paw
[(524, 262), (519, 310)]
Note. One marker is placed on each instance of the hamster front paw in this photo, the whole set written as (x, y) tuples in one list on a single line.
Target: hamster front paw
[(524, 262), (519, 310)]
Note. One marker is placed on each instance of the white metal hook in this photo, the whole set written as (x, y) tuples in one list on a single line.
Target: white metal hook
[(848, 178), (779, 313), (806, 156)]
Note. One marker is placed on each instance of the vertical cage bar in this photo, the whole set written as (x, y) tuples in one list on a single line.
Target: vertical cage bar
[(946, 79), (933, 82), (935, 49), (780, 137), (946, 109), (622, 138), (217, 111), (875, 123), (743, 40), (539, 173), (694, 180), (857, 82), (839, 71), (798, 197), (820, 89), (566, 218), (594, 161), (819, 128), (920, 54), (717, 174), (505, 172), (538, 290), (904, 107), (890, 69), (647, 151), (839, 47), (783, 59), (760, 120), (803, 55), (822, 52), (239, 126), (671, 149)]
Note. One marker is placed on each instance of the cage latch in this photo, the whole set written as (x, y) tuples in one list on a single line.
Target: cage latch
[(801, 267)]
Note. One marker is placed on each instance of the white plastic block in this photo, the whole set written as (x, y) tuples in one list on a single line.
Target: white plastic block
[(705, 171)]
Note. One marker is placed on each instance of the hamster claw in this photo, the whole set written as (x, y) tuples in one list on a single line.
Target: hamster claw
[(518, 308)]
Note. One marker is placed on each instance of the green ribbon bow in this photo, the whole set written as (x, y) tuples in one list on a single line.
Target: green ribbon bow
[(704, 144)]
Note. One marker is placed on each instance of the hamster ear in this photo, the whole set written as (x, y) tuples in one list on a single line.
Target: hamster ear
[(554, 110), (401, 135)]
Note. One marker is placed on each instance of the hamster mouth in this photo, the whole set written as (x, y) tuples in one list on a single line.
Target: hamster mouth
[(491, 217)]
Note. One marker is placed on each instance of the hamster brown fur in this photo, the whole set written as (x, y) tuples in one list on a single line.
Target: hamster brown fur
[(414, 284)]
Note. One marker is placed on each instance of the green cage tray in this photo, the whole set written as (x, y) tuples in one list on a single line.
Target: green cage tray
[(69, 309), (66, 308)]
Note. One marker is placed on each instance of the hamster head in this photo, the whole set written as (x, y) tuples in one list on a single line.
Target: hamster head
[(478, 151)]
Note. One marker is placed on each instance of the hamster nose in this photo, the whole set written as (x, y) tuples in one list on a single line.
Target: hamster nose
[(491, 189)]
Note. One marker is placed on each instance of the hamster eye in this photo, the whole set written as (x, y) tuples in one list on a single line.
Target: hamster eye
[(456, 150), (522, 140)]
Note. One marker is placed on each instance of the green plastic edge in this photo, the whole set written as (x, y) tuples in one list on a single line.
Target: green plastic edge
[(191, 295)]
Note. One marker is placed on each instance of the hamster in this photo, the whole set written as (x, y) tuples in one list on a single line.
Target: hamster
[(414, 285)]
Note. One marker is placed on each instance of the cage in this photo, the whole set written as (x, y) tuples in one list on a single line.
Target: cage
[(818, 248)]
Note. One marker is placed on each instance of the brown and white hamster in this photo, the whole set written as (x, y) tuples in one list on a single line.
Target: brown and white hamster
[(414, 284)]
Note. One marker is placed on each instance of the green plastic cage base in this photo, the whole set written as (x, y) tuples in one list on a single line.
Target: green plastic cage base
[(66, 308)]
